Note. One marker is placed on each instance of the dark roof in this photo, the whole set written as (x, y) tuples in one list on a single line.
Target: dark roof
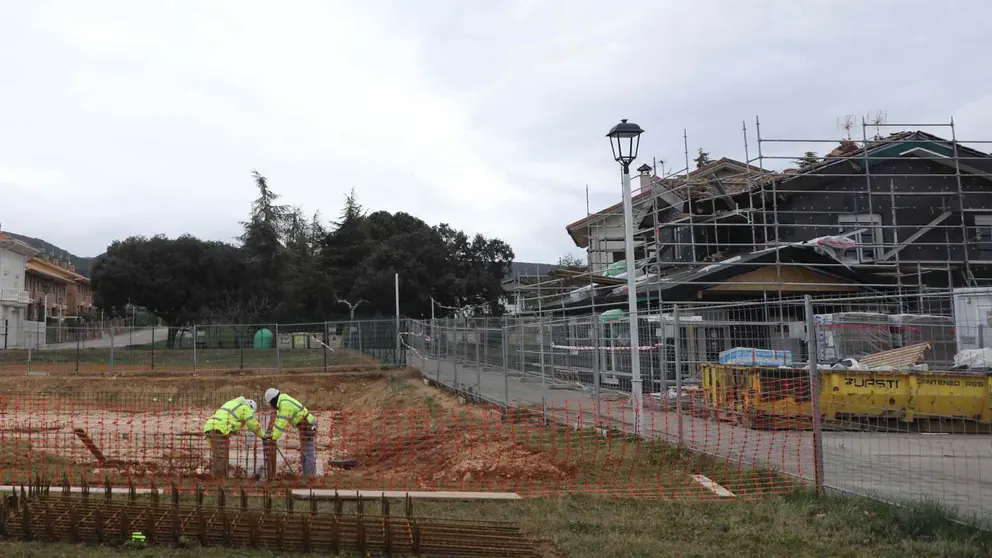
[(529, 268), (686, 281), (698, 183)]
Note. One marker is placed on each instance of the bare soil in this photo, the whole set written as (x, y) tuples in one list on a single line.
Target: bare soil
[(402, 433)]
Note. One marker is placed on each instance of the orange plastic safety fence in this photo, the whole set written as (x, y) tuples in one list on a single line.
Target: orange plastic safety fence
[(574, 446)]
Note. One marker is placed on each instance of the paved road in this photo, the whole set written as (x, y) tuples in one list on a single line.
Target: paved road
[(127, 337), (953, 469)]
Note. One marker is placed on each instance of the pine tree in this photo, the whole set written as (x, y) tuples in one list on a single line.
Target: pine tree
[(808, 160), (702, 158)]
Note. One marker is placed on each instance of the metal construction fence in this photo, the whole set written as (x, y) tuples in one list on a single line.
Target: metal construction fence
[(886, 396), (321, 346), (898, 408)]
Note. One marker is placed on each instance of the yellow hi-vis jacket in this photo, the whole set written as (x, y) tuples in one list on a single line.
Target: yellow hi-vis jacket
[(289, 411), (232, 416)]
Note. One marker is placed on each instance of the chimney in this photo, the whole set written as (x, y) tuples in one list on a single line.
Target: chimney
[(645, 177)]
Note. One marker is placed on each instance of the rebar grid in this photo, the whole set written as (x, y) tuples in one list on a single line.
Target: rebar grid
[(38, 513)]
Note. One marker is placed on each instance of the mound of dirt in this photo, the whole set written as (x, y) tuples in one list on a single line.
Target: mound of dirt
[(482, 459), (362, 389), (441, 452)]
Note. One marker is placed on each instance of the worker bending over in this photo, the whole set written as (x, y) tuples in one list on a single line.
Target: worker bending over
[(290, 412), (227, 421)]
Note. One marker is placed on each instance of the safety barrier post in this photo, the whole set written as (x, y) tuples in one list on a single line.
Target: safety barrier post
[(194, 348), (111, 350), (153, 348), (520, 346), (478, 363), (278, 361), (678, 369), (814, 386), (485, 343), (540, 340), (506, 358), (324, 346), (78, 344), (596, 364)]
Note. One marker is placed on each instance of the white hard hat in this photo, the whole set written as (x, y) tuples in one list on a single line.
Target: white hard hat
[(270, 395), (253, 405)]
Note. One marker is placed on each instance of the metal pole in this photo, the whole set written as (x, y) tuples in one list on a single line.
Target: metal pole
[(396, 280), (454, 361), (241, 343), (596, 365), (678, 369), (635, 338), (194, 347), (433, 334), (278, 360), (111, 350), (78, 343), (814, 386), (153, 347), (540, 329), (520, 346), (506, 357), (478, 363), (324, 344)]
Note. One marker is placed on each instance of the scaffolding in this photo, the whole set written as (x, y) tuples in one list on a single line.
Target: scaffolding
[(900, 210)]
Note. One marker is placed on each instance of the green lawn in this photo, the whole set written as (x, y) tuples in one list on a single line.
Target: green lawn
[(797, 525)]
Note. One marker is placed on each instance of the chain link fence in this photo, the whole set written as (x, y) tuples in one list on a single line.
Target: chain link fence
[(204, 348)]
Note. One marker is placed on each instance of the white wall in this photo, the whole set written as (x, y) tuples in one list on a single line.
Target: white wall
[(11, 270)]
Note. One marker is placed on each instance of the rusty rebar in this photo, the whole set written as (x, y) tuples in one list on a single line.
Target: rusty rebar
[(38, 516)]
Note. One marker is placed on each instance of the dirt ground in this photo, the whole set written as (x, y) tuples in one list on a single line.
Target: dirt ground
[(402, 433)]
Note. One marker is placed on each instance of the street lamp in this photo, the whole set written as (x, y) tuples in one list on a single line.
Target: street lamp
[(625, 138)]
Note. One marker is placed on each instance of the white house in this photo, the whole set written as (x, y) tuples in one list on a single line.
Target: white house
[(14, 298)]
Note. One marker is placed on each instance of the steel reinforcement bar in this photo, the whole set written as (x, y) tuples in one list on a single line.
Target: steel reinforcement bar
[(40, 515)]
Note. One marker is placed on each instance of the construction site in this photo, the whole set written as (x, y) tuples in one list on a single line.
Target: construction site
[(795, 329)]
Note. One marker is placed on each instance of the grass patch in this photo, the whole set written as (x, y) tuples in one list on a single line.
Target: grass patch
[(795, 525)]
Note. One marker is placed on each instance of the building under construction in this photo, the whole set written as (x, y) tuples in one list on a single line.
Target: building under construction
[(902, 216)]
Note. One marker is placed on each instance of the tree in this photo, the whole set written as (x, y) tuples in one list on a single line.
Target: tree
[(287, 267), (306, 288), (571, 260), (177, 280), (345, 248), (809, 159), (265, 258), (702, 158)]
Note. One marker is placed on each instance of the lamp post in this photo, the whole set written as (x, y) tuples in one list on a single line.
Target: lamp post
[(625, 138)]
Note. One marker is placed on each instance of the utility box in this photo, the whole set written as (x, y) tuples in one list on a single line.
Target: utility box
[(973, 317), (851, 335)]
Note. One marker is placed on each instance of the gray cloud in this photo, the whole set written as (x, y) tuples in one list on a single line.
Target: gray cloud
[(132, 118)]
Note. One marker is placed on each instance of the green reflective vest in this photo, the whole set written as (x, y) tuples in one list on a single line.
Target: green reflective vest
[(289, 411), (232, 416)]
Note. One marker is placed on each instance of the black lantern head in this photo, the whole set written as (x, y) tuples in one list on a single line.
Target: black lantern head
[(625, 138)]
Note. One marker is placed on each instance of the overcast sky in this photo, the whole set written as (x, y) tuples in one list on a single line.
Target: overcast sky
[(124, 118)]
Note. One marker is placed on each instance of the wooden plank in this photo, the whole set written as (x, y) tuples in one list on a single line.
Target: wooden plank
[(712, 486)]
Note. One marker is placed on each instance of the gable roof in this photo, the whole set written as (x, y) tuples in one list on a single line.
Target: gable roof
[(698, 182)]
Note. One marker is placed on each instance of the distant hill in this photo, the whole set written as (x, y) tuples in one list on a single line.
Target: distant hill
[(83, 265)]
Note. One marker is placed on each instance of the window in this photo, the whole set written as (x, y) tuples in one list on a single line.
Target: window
[(983, 236), (869, 240)]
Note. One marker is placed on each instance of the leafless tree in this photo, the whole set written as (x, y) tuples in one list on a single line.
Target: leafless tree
[(351, 307)]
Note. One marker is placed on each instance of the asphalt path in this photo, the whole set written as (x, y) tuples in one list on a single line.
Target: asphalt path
[(953, 469)]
